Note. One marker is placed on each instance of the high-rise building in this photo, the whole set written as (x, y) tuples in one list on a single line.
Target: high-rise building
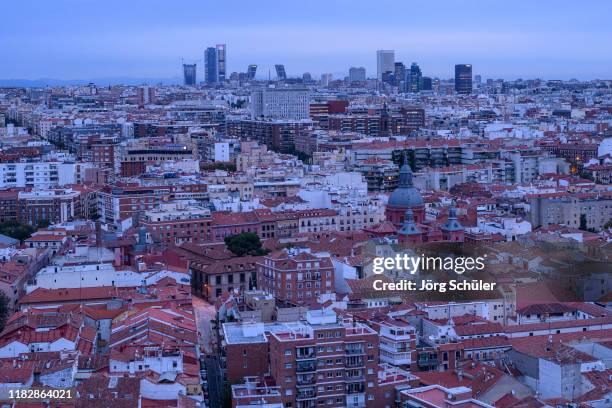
[(385, 62), (189, 74), (281, 103), (357, 74), (221, 63), (399, 73), (211, 66), (306, 77), (326, 79), (478, 80), (251, 71), (463, 79), (426, 84), (415, 78), (281, 75)]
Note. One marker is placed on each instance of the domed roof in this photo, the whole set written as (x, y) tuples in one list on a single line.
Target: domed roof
[(409, 227), (405, 195), (452, 223)]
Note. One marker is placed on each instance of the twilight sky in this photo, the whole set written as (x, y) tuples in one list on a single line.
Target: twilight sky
[(84, 39)]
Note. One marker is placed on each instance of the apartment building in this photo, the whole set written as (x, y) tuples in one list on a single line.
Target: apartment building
[(295, 276), (281, 103), (41, 175), (568, 209), (321, 361), (178, 222)]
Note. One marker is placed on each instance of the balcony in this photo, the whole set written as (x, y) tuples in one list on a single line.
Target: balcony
[(354, 362), (355, 388), (303, 380), (304, 353), (306, 394), (355, 351), (305, 366)]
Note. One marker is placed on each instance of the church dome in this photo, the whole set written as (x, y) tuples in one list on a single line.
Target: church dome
[(405, 195)]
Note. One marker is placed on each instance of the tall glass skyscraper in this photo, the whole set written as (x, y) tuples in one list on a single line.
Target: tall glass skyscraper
[(281, 74), (385, 62), (251, 71), (416, 78), (463, 79), (221, 62), (211, 68), (189, 74), (400, 74)]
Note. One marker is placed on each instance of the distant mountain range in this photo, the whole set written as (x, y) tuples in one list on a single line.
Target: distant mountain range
[(43, 82)]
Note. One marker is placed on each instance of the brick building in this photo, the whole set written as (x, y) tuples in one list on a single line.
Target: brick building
[(178, 222), (295, 277), (321, 361)]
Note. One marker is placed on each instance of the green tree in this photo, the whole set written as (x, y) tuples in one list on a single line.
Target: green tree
[(4, 309), (246, 243), (583, 222), (16, 230), (608, 224), (43, 224), (227, 166)]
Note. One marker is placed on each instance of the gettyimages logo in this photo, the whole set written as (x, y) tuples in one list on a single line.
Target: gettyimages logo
[(412, 264)]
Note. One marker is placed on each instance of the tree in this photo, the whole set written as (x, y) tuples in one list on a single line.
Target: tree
[(16, 230), (583, 222), (43, 224), (246, 243), (608, 224), (4, 309), (227, 166)]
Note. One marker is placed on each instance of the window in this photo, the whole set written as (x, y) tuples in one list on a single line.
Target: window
[(287, 352), (288, 365)]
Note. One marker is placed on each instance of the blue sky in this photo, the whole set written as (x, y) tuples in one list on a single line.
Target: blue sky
[(80, 39)]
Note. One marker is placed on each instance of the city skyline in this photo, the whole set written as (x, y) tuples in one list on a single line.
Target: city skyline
[(553, 43)]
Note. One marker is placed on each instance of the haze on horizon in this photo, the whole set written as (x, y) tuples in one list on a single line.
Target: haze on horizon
[(81, 39)]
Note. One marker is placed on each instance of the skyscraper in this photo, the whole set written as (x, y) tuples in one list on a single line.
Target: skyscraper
[(326, 79), (211, 68), (281, 75), (357, 74), (189, 74), (221, 62), (385, 62), (426, 84), (463, 79), (251, 71), (400, 74), (416, 78)]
